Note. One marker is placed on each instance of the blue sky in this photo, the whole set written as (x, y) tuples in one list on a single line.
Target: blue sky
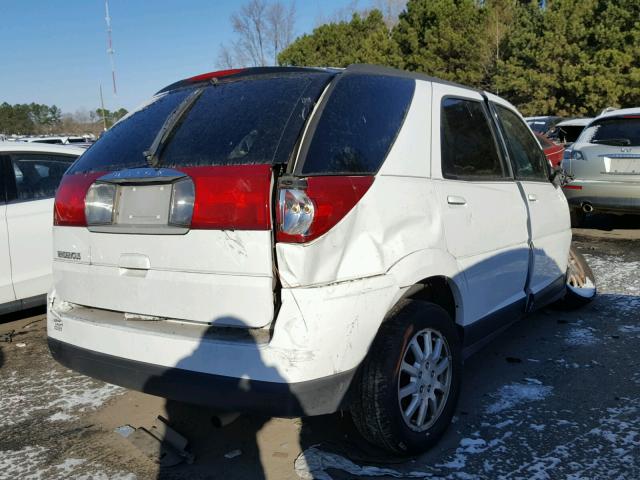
[(54, 52)]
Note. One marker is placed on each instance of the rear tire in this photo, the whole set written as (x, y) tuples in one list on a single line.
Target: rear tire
[(382, 409), (581, 284)]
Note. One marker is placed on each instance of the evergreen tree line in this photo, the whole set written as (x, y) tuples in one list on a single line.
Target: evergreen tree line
[(35, 118), (28, 118), (559, 57)]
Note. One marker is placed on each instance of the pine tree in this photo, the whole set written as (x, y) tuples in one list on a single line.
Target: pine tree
[(444, 38), (362, 40)]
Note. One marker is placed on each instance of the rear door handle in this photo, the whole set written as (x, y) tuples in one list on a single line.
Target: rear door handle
[(532, 197), (134, 261), (456, 200)]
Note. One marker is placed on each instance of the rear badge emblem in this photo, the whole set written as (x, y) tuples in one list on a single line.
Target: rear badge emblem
[(69, 255)]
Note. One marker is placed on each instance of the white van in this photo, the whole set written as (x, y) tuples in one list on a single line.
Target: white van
[(294, 241)]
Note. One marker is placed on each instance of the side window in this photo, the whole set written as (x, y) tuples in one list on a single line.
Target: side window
[(468, 147), (37, 176), (527, 157), (358, 124), (5, 162)]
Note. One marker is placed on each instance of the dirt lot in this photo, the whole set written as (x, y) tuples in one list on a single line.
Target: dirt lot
[(556, 396)]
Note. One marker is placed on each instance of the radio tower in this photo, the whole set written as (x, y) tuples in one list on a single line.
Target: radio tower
[(110, 51)]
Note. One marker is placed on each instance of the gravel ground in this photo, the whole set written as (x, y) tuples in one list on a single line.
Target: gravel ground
[(555, 396)]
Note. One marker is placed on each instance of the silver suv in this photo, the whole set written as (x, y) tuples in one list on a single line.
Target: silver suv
[(605, 161)]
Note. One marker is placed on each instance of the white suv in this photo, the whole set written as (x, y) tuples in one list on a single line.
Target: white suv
[(29, 176), (296, 241)]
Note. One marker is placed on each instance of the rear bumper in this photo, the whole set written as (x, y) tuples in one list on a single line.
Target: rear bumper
[(623, 197), (313, 397), (301, 366)]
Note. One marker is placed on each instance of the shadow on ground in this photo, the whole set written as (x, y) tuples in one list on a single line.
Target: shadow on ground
[(611, 222)]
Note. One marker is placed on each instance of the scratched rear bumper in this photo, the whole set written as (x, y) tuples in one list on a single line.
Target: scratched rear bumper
[(321, 334)]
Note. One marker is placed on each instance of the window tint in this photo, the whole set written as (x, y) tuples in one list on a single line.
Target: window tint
[(5, 174), (468, 147), (358, 124), (618, 131), (525, 153), (255, 120), (245, 122), (38, 175), (123, 144)]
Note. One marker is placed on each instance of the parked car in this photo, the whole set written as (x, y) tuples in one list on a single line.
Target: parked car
[(542, 124), (552, 151), (64, 140), (568, 131), (30, 175), (294, 241), (605, 164)]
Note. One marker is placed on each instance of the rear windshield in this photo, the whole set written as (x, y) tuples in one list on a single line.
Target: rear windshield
[(358, 124), (616, 131), (248, 121)]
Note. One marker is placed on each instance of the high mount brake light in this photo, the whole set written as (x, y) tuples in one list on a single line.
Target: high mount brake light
[(218, 74), (304, 213)]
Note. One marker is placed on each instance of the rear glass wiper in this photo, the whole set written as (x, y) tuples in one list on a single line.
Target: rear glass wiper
[(153, 154), (622, 142)]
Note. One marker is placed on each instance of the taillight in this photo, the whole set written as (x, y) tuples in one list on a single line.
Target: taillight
[(231, 197), (98, 204), (182, 200), (306, 212), (215, 198), (68, 208)]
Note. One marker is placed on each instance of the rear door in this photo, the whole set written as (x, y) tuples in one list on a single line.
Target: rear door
[(547, 206), (224, 145), (35, 177), (6, 286), (484, 216)]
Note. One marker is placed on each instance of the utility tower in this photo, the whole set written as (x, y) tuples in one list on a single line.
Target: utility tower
[(110, 50)]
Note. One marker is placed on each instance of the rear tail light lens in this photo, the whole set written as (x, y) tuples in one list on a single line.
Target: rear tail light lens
[(98, 204), (182, 200), (215, 198), (68, 208), (306, 213), (231, 197)]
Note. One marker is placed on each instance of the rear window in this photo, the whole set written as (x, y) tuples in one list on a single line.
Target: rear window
[(616, 131), (358, 125), (249, 121)]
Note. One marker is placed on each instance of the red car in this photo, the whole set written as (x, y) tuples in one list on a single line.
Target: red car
[(552, 151)]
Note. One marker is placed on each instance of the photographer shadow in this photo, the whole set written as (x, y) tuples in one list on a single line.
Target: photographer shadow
[(202, 406)]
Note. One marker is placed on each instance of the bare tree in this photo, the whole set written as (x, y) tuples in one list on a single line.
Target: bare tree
[(262, 30), (391, 10)]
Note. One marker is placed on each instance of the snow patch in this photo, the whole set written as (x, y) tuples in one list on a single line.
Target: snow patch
[(579, 336), (313, 463), (58, 394), (31, 462), (515, 394)]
